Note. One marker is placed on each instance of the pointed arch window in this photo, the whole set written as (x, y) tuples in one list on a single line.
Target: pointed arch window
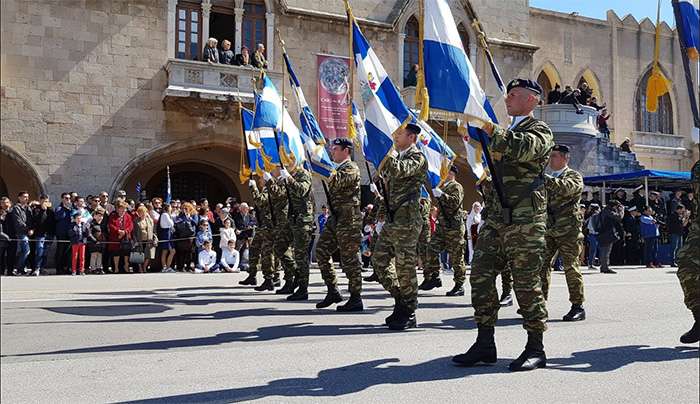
[(410, 47), (660, 121)]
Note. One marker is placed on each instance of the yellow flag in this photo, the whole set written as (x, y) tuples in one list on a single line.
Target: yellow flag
[(658, 84)]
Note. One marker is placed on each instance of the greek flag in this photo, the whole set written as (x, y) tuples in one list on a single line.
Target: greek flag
[(168, 194), (254, 142), (688, 22), (385, 112), (272, 119), (451, 80), (311, 134)]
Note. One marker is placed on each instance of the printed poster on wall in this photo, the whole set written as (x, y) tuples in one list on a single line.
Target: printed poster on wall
[(333, 74)]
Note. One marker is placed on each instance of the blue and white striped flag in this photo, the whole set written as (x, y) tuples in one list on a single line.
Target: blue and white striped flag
[(385, 112), (451, 80), (311, 134), (254, 143), (270, 117), (688, 24), (168, 193)]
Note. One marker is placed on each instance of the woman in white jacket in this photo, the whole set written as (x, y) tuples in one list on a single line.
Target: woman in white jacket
[(474, 224)]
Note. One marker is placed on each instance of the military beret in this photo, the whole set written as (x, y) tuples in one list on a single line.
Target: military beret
[(561, 148), (343, 142), (525, 83), (413, 128), (631, 208), (454, 169)]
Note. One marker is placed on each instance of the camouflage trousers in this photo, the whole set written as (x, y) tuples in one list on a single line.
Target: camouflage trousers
[(301, 237), (689, 268), (344, 236), (398, 241), (423, 245), (506, 280), (568, 247), (519, 247), (260, 252), (451, 240), (282, 248)]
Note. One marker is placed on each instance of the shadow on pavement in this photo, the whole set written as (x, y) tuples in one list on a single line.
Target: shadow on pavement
[(361, 376)]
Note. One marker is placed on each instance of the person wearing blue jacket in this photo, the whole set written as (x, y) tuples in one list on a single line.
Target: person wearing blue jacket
[(62, 217), (650, 234)]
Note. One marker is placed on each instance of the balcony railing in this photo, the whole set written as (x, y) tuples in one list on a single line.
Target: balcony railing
[(562, 118), (187, 78), (658, 140)]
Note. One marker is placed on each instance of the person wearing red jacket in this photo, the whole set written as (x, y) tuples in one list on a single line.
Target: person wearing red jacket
[(120, 226)]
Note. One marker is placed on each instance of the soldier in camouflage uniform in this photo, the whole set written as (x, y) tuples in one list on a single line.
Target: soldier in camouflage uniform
[(689, 265), (343, 229), (404, 173), (513, 233), (424, 236), (282, 233), (449, 235), (564, 237), (261, 247), (302, 225)]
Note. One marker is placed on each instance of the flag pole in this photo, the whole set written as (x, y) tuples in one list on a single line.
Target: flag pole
[(352, 134), (421, 97)]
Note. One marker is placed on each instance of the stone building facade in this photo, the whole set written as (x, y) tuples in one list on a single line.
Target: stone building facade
[(103, 95)]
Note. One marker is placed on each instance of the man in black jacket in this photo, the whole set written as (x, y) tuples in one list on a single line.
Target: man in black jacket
[(555, 95), (633, 236), (609, 231), (43, 223), (21, 221)]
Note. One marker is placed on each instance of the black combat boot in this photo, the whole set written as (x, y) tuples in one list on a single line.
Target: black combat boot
[(506, 299), (302, 293), (533, 356), (354, 304), (482, 351), (405, 318), (372, 278), (266, 285), (333, 296), (457, 290), (251, 280), (392, 316), (577, 313), (288, 287), (693, 335), (433, 282), (276, 280)]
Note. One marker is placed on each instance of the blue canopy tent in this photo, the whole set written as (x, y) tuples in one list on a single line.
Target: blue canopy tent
[(658, 179)]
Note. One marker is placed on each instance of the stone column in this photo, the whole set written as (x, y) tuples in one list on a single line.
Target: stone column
[(614, 77), (238, 12), (270, 47), (401, 39), (172, 23), (206, 9)]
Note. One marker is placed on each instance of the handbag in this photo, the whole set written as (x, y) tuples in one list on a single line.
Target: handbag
[(137, 257)]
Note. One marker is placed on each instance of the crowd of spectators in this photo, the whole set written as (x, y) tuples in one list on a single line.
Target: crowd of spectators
[(578, 97), (94, 235), (212, 53)]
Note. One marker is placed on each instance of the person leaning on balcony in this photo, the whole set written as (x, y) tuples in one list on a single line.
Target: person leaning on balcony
[(259, 60), (243, 58), (226, 54), (211, 54)]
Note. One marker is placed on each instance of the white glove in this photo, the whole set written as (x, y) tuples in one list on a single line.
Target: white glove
[(267, 176), (373, 188), (251, 183), (284, 174), (437, 192)]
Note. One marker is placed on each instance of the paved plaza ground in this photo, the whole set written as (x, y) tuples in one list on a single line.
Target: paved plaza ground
[(203, 338)]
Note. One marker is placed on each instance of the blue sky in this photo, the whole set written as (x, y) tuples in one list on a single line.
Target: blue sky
[(597, 8)]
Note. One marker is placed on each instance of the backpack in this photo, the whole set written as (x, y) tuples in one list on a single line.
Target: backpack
[(184, 228)]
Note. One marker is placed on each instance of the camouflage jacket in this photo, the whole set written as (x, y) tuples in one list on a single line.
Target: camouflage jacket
[(450, 203), (695, 182), (520, 156), (344, 191), (262, 202), (425, 206), (280, 202), (404, 175), (301, 196), (563, 199)]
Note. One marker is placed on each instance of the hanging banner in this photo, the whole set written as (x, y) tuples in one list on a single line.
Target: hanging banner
[(333, 72)]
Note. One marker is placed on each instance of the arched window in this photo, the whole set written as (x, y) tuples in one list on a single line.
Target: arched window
[(410, 46), (464, 36), (543, 81), (254, 25), (660, 121)]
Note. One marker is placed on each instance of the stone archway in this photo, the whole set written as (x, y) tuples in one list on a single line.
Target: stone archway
[(197, 167), (587, 76), (18, 174), (548, 77)]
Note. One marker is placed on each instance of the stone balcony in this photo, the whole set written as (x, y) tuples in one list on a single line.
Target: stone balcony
[(212, 82), (563, 119), (660, 141)]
